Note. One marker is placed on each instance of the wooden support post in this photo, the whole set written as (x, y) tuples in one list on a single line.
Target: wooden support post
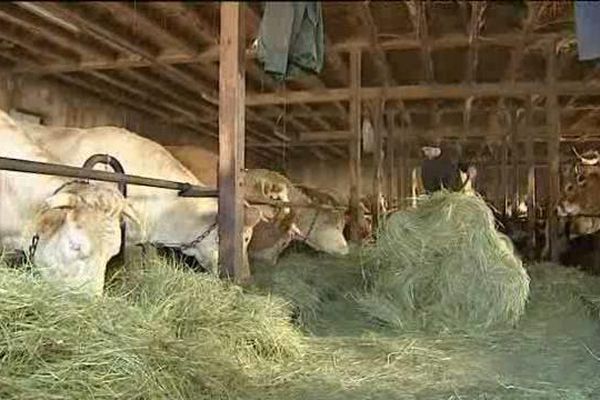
[(391, 158), (504, 177), (402, 160), (514, 155), (530, 160), (231, 141), (553, 122), (414, 185), (355, 144), (378, 163)]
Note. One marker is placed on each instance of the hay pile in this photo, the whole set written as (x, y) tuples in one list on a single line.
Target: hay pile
[(161, 333), (444, 265)]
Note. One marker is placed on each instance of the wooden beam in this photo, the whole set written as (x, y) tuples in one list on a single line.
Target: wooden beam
[(504, 176), (104, 35), (418, 92), (514, 160), (377, 115), (355, 145), (211, 54), (390, 157), (475, 24), (530, 164), (231, 143), (418, 13), (403, 164), (553, 121), (147, 24), (64, 39)]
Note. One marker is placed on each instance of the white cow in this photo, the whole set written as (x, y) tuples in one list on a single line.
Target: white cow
[(185, 223), (77, 227), (79, 231)]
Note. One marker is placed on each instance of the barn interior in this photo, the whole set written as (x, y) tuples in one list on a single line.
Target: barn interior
[(497, 84)]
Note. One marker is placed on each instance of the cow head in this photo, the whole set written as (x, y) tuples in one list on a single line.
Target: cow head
[(79, 231), (581, 226), (269, 239), (263, 184), (580, 196), (320, 228)]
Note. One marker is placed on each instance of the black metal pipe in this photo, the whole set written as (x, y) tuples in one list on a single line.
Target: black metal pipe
[(118, 168), (185, 189), (111, 162)]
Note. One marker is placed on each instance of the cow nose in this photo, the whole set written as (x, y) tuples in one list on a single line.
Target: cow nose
[(75, 246)]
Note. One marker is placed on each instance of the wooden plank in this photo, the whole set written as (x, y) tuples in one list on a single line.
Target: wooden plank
[(211, 54), (390, 158), (417, 92), (403, 166), (514, 161), (553, 121), (231, 142), (378, 162), (355, 145), (530, 160)]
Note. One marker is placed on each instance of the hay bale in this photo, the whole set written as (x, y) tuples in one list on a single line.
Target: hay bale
[(444, 265), (162, 333)]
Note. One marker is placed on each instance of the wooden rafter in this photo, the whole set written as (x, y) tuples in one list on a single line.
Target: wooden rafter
[(417, 92), (476, 22)]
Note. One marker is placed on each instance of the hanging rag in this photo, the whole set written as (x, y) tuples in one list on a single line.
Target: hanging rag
[(587, 27), (290, 38)]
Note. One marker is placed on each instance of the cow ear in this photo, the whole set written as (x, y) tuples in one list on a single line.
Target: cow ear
[(61, 200)]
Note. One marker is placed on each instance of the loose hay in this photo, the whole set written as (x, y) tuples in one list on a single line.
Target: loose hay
[(550, 355), (162, 333), (444, 265)]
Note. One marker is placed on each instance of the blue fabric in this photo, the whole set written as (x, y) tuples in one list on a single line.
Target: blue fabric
[(587, 27)]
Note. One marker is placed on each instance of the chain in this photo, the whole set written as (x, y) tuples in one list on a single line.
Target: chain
[(194, 242), (311, 227), (33, 247)]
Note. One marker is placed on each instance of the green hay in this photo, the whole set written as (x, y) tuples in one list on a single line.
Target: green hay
[(310, 283), (162, 333), (444, 266)]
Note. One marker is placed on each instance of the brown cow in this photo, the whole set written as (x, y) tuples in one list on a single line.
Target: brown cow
[(321, 229)]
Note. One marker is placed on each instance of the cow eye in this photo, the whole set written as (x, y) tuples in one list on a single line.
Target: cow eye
[(580, 179)]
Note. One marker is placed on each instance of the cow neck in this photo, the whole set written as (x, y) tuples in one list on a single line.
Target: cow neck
[(17, 144), (305, 215)]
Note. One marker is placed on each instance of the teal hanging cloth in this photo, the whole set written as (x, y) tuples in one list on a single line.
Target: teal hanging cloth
[(290, 39)]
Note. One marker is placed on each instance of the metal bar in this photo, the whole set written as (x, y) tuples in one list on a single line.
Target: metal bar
[(186, 189), (118, 168)]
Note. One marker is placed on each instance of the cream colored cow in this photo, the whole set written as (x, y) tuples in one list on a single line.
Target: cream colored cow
[(189, 224), (75, 232)]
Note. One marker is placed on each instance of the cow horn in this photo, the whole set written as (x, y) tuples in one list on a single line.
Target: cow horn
[(61, 200), (587, 161)]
